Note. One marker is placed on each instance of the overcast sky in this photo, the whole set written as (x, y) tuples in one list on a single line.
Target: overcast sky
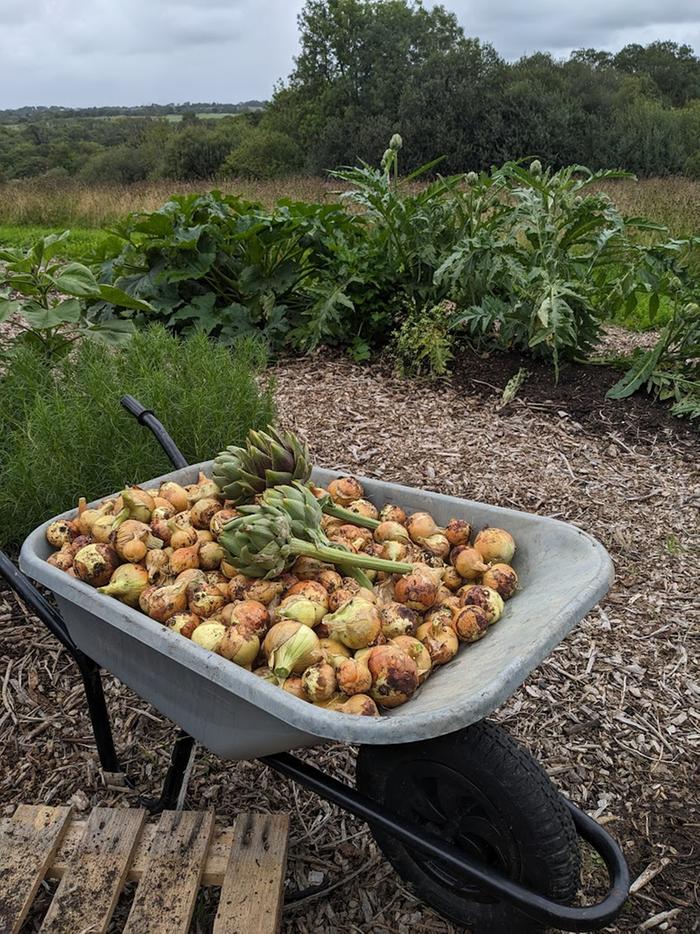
[(91, 52)]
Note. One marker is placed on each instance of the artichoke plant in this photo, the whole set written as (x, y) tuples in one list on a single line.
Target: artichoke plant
[(267, 538), (271, 459), (268, 459)]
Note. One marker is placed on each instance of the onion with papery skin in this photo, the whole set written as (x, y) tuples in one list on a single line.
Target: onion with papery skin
[(301, 609), (137, 504), (391, 532), (308, 569), (220, 519), (398, 620), (330, 581), (363, 507), (160, 528), (203, 512), (101, 530), (87, 517), (470, 623), (127, 584), (237, 587), (418, 652), (228, 569), (203, 599), (294, 685), (319, 681), (340, 597), (175, 494), (360, 705), (332, 649), (489, 600), (312, 590), (182, 535), (394, 675), (204, 537), (352, 675), (251, 616), (210, 555), (160, 603), (357, 624), (440, 641), (290, 648), (468, 562), (392, 513), (209, 636), (437, 545), (133, 539), (345, 490), (61, 532), (501, 578), (495, 545), (183, 623), (458, 532), (262, 590), (420, 525), (439, 616), (62, 559), (239, 646), (204, 488), (95, 564), (217, 579), (394, 551), (264, 672), (451, 578), (163, 510), (417, 589), (184, 559)]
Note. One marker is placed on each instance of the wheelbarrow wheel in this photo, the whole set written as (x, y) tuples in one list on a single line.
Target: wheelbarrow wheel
[(481, 791)]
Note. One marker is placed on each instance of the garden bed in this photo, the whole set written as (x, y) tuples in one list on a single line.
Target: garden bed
[(613, 713)]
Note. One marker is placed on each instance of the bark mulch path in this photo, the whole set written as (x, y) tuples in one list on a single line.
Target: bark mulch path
[(613, 714)]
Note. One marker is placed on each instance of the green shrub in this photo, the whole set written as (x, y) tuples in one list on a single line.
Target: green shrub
[(423, 342), (263, 154), (64, 435)]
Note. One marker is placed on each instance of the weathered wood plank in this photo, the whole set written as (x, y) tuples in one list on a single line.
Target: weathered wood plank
[(251, 893), (214, 868), (90, 887), (28, 841), (166, 894)]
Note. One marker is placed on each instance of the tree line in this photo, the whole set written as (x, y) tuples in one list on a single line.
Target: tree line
[(369, 68)]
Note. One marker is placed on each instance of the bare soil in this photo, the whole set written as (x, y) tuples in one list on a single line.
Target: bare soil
[(613, 714)]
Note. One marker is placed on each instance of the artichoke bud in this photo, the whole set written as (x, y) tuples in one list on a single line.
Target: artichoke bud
[(395, 143)]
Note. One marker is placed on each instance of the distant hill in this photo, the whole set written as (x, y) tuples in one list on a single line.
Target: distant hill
[(21, 115)]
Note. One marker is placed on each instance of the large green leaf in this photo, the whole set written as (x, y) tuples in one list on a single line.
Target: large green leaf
[(115, 296), (8, 307), (76, 279), (66, 312)]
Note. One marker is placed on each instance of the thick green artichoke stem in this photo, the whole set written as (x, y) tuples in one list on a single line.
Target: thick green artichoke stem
[(347, 515), (346, 559)]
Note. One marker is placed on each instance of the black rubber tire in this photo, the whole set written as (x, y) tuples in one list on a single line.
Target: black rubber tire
[(480, 790)]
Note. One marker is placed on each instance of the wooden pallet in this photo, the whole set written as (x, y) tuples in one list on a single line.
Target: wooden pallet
[(169, 859)]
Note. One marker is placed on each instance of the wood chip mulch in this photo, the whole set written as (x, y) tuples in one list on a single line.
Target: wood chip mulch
[(613, 714)]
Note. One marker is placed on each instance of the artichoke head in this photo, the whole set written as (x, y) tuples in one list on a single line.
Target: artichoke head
[(270, 458)]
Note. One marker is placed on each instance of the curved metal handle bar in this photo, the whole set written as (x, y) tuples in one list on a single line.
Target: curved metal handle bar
[(566, 917), (146, 417)]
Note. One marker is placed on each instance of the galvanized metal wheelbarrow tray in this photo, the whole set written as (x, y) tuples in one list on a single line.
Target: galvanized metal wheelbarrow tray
[(563, 573)]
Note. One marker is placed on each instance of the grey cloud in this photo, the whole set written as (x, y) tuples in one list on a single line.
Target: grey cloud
[(83, 52)]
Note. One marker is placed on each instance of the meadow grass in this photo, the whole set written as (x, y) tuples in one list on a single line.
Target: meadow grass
[(79, 242)]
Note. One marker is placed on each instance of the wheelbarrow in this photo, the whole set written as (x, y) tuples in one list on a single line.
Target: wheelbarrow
[(465, 815)]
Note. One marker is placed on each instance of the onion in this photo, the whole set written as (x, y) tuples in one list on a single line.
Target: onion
[(359, 705), (345, 490), (220, 519), (264, 672), (394, 675), (210, 555), (319, 681), (62, 559), (136, 504), (203, 512), (174, 494), (470, 623), (398, 620), (489, 600), (501, 578), (203, 599), (363, 507), (101, 530), (95, 564), (458, 532), (312, 590), (451, 578), (352, 675), (390, 532), (60, 533), (237, 587), (187, 576), (160, 603), (204, 537), (495, 545), (394, 551), (263, 591), (417, 589), (290, 648), (127, 584), (209, 636), (357, 624), (183, 623), (468, 562), (418, 652), (133, 539), (228, 570), (87, 517), (439, 616), (182, 535), (183, 559), (307, 569), (301, 609), (391, 513), (440, 641), (436, 545), (293, 685), (330, 581), (217, 579), (340, 597), (420, 525), (249, 616), (332, 649), (204, 488), (239, 646)]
